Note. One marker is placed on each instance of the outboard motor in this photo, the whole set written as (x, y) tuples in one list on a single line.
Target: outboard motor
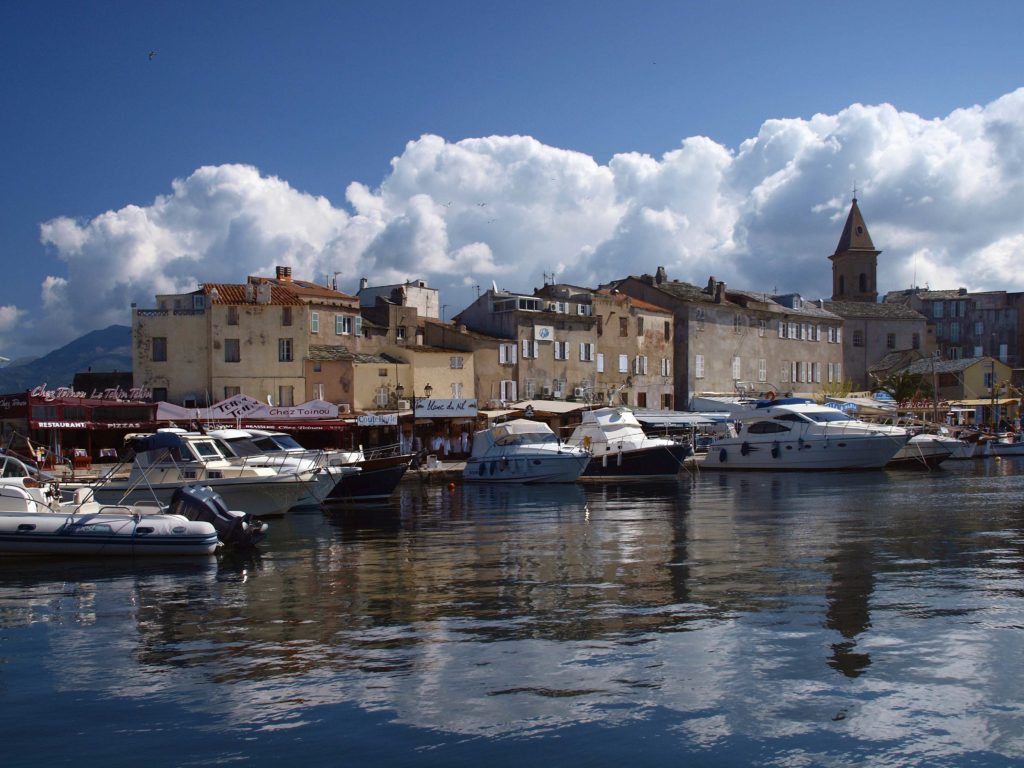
[(200, 503)]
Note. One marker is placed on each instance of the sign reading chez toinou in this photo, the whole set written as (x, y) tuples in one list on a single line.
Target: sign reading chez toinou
[(427, 408)]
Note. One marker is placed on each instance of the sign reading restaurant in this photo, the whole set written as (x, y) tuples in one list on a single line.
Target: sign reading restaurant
[(428, 408)]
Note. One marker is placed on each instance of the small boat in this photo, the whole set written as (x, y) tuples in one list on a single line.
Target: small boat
[(798, 434), (34, 520), (523, 451), (170, 458), (1007, 445), (925, 450), (621, 448), (278, 449)]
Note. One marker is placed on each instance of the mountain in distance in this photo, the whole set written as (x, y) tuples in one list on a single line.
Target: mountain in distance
[(107, 350)]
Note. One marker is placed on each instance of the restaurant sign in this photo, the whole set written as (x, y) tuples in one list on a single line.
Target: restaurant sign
[(378, 420), (458, 408)]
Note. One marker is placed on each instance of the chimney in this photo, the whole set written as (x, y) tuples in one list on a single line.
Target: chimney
[(284, 274), (660, 276), (719, 292), (710, 290), (363, 283)]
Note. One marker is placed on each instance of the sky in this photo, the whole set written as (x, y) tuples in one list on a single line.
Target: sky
[(149, 147)]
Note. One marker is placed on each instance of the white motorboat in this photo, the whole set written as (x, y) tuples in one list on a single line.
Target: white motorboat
[(620, 447), (168, 459), (795, 434), (924, 450), (276, 449), (523, 451)]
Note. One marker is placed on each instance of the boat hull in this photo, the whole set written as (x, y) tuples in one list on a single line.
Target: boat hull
[(554, 468), (375, 481), (656, 461), (264, 497), (833, 453), (54, 533)]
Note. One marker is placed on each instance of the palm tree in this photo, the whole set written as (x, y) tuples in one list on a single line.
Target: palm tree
[(906, 387)]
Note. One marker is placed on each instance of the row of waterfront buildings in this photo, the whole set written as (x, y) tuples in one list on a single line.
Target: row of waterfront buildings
[(646, 341)]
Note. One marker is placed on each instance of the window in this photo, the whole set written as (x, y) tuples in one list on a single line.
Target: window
[(529, 348), (343, 325), (318, 391), (737, 366), (623, 326), (640, 364), (698, 366), (284, 350), (842, 285), (988, 380), (455, 362), (159, 349), (231, 351), (400, 333), (954, 332), (159, 394), (979, 327), (600, 326), (231, 392), (890, 341), (785, 371), (456, 390), (915, 341), (762, 370), (641, 399), (978, 352), (623, 363), (793, 331), (561, 350), (766, 428), (584, 309), (940, 330), (668, 331), (586, 352), (858, 338), (936, 309), (600, 362), (639, 326), (816, 372), (762, 327), (1003, 352), (314, 322), (507, 390), (286, 315), (198, 301), (862, 283), (506, 354), (232, 315), (286, 396), (666, 366), (737, 324), (666, 402), (699, 317), (317, 366)]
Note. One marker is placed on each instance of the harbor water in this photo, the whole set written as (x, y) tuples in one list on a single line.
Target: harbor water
[(834, 619)]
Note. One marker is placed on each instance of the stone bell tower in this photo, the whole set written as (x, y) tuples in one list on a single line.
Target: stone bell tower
[(855, 262)]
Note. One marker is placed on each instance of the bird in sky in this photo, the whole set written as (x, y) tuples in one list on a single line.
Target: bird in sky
[(152, 55)]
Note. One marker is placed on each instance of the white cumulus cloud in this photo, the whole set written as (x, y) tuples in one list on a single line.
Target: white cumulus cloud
[(941, 198)]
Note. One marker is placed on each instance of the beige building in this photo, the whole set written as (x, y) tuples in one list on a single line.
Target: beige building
[(739, 342), (414, 294), (547, 348), (254, 338)]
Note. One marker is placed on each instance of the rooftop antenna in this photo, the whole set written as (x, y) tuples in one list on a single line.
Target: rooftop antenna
[(549, 278), (443, 308)]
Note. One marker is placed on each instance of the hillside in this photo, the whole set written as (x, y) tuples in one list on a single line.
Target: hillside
[(106, 350)]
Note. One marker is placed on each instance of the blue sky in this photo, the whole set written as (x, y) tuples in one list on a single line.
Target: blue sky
[(363, 138)]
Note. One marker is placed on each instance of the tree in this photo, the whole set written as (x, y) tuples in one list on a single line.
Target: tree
[(906, 387)]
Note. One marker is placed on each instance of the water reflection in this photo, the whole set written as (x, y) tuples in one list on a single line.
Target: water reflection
[(704, 611)]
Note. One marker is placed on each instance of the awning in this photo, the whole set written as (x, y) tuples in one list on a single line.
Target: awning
[(497, 414), (550, 406), (986, 401)]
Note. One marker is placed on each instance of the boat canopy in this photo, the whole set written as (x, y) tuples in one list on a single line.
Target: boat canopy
[(159, 441)]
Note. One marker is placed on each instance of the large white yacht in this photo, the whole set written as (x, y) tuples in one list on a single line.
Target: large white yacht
[(796, 434), (523, 451), (621, 449)]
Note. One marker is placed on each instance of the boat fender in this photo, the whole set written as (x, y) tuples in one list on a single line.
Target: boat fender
[(775, 450), (744, 449), (770, 395), (722, 456)]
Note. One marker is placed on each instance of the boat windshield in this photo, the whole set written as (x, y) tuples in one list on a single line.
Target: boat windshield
[(829, 415), (279, 443)]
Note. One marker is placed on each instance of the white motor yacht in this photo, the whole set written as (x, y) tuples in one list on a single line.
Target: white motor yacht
[(523, 451), (168, 459), (795, 434), (621, 449)]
